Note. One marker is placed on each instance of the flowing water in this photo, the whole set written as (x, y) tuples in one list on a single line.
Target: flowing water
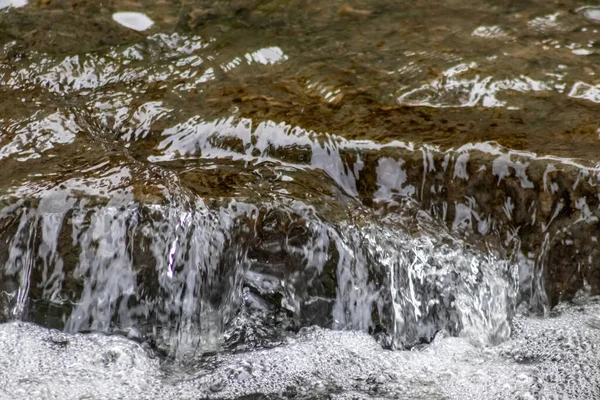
[(299, 199)]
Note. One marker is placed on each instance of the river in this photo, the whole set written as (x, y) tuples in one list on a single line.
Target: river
[(267, 199)]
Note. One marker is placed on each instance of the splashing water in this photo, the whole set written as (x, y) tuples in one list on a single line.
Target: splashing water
[(252, 198)]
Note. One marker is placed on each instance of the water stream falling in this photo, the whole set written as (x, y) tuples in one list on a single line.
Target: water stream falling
[(284, 199), (180, 264)]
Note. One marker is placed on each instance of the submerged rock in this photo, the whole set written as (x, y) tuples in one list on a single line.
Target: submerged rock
[(243, 169)]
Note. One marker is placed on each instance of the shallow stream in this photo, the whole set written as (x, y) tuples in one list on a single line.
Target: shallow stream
[(299, 199)]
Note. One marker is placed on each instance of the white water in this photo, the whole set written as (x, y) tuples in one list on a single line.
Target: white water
[(552, 358)]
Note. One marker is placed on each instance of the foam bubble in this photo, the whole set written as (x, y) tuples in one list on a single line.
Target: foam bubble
[(556, 357), (133, 20)]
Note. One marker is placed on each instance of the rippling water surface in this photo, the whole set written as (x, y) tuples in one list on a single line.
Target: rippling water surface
[(299, 199)]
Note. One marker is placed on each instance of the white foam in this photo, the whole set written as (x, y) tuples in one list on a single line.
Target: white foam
[(12, 3), (555, 357), (133, 20)]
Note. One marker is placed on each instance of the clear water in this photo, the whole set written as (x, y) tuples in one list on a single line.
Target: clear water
[(297, 199)]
